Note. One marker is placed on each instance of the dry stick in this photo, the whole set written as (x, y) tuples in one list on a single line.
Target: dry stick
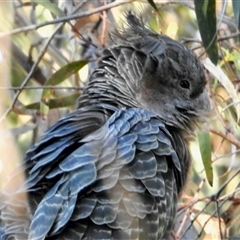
[(216, 158), (188, 212), (53, 87), (216, 195), (218, 206), (215, 198), (104, 19), (34, 66), (225, 19), (65, 19), (43, 50), (229, 136), (41, 54)]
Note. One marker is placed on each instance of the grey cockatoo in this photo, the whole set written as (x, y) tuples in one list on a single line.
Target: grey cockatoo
[(114, 167)]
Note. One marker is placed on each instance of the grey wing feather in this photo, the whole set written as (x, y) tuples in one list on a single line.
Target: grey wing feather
[(113, 183)]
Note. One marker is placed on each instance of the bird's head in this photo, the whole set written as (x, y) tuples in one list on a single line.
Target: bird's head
[(161, 74), (151, 71)]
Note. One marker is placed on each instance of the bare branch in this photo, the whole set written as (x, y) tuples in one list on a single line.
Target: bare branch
[(65, 19), (41, 87), (229, 136)]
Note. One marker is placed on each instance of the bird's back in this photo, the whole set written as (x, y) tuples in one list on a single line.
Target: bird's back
[(114, 167), (118, 182)]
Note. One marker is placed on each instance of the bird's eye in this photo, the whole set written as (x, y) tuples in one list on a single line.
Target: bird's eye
[(184, 84)]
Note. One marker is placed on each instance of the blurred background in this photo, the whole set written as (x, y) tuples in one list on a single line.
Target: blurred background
[(47, 50)]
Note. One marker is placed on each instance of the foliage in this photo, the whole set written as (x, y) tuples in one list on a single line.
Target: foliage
[(49, 45)]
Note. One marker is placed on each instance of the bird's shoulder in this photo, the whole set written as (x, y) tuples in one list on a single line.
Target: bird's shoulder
[(133, 144), (84, 135)]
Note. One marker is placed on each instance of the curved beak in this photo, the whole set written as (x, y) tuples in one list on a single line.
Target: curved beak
[(203, 102)]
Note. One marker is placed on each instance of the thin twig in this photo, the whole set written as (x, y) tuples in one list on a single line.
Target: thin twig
[(104, 20), (65, 19), (41, 87), (27, 63), (44, 48), (233, 35), (189, 4), (26, 80), (216, 195), (229, 136)]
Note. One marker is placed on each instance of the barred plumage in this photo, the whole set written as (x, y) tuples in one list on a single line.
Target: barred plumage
[(114, 168)]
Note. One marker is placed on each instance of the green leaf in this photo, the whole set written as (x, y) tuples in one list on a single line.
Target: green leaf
[(235, 57), (236, 11), (62, 74), (44, 108), (53, 8), (65, 72), (228, 85), (33, 106), (65, 101), (37, 106), (205, 150), (206, 18)]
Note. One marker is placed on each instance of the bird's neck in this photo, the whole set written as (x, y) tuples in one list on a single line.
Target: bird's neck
[(111, 94), (106, 89)]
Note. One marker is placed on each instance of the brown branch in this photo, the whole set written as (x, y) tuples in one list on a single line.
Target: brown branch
[(41, 87), (61, 22), (104, 28), (26, 63), (229, 136), (28, 77), (65, 19)]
